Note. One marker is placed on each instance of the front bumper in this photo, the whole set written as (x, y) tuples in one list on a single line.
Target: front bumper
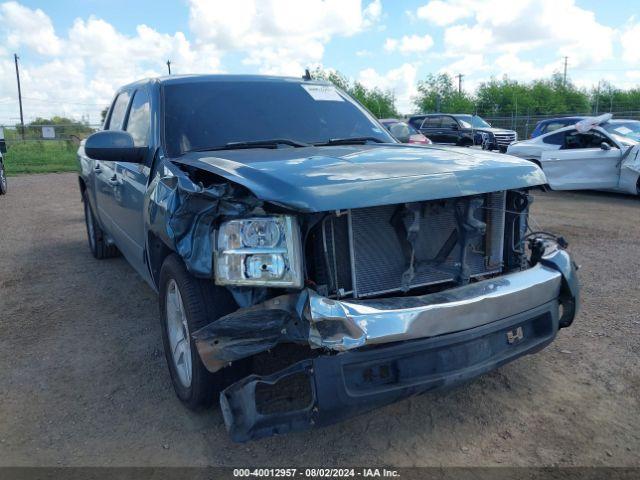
[(352, 383), (387, 348)]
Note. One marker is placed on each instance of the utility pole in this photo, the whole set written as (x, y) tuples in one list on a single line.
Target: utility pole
[(459, 77), (598, 97), (15, 58), (610, 99), (169, 66), (564, 78)]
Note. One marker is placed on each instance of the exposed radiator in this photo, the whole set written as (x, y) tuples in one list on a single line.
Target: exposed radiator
[(365, 252)]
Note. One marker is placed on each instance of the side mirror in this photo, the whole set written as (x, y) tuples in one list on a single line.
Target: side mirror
[(114, 146), (605, 146)]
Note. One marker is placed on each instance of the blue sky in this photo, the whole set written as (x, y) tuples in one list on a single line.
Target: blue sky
[(74, 53)]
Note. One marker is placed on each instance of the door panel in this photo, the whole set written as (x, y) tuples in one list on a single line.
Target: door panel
[(129, 190), (131, 185), (582, 168), (103, 172), (450, 130), (431, 128)]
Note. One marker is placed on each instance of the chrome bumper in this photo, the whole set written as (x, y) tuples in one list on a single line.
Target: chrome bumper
[(340, 325), (346, 324)]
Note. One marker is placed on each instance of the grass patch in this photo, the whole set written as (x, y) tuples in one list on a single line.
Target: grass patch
[(40, 156)]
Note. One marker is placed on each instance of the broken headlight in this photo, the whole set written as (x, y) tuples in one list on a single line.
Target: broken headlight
[(259, 251)]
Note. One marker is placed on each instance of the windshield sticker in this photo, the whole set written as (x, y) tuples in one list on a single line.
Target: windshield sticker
[(376, 129), (623, 130), (323, 93)]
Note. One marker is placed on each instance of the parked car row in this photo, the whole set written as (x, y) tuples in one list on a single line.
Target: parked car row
[(462, 130)]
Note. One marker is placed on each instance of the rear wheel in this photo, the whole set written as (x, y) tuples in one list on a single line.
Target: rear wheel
[(3, 180), (186, 305), (98, 243)]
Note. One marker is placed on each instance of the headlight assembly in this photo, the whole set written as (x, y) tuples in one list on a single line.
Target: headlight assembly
[(262, 251)]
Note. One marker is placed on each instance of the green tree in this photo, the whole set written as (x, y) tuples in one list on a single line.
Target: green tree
[(379, 102), (437, 93)]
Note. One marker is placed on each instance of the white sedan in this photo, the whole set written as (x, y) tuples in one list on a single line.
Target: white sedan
[(598, 155)]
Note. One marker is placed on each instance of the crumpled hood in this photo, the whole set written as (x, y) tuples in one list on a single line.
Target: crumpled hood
[(315, 179)]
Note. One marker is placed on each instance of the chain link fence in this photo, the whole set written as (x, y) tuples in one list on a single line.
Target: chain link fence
[(524, 124), (43, 148)]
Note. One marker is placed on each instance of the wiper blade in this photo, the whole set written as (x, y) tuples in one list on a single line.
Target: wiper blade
[(349, 141), (271, 143)]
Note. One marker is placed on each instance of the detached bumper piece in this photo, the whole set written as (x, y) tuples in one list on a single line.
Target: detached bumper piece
[(331, 388)]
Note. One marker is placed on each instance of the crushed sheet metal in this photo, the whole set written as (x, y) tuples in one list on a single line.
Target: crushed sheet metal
[(183, 214), (251, 330), (630, 169), (588, 123)]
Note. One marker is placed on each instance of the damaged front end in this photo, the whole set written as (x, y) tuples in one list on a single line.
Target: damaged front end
[(390, 301)]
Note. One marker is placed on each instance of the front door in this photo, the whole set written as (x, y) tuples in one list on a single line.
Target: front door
[(105, 171), (130, 186), (582, 163)]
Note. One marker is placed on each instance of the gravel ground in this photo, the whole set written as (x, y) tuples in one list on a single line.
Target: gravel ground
[(83, 378)]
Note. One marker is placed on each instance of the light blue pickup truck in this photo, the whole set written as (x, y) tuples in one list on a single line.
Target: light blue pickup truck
[(278, 220)]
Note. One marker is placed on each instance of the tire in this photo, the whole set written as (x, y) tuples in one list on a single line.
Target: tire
[(200, 303), (98, 244), (3, 180)]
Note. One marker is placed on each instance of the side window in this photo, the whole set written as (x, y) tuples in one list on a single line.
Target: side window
[(432, 122), (550, 127), (591, 139), (555, 139), (139, 122), (119, 111), (449, 122)]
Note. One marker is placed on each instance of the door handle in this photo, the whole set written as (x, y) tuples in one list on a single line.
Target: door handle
[(97, 168), (113, 181)]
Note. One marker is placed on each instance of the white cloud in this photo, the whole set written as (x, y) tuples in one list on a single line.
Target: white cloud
[(462, 38), (279, 36), (443, 13), (400, 81), (409, 44), (557, 25), (630, 43), (29, 28)]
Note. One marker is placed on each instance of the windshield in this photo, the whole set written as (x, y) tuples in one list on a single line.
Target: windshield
[(401, 129), (629, 129), (472, 121), (212, 114)]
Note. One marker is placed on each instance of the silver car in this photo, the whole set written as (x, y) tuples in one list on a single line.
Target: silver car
[(605, 157)]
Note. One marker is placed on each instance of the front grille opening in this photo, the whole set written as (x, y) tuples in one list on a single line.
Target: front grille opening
[(366, 252), (288, 394)]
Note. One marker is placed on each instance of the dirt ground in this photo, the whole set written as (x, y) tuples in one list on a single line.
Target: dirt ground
[(83, 379)]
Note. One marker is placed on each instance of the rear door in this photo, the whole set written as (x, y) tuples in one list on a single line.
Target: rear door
[(431, 128), (582, 163), (130, 184), (450, 130)]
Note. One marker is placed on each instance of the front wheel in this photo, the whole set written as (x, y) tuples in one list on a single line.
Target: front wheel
[(3, 180), (186, 305)]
